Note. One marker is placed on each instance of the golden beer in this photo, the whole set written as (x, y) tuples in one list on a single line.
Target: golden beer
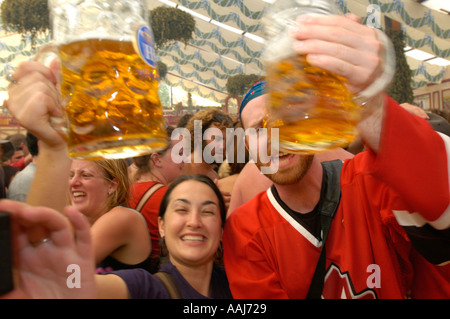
[(111, 101), (312, 108)]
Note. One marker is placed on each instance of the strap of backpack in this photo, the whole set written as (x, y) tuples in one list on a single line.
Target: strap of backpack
[(169, 284), (327, 209), (147, 195)]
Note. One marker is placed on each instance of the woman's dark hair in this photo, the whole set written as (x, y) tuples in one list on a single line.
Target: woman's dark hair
[(199, 178), (237, 146), (32, 143)]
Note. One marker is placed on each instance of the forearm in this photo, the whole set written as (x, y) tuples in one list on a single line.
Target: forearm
[(50, 184), (413, 160)]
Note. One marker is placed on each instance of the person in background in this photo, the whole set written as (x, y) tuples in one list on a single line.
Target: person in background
[(208, 152), (197, 125), (21, 156), (20, 185), (7, 149), (439, 123), (182, 122), (442, 113), (237, 158), (100, 190)]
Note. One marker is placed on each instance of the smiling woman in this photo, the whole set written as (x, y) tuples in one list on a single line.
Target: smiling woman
[(192, 215), (100, 190), (191, 220), (98, 186)]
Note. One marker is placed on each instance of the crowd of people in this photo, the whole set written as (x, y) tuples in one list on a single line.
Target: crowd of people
[(369, 223)]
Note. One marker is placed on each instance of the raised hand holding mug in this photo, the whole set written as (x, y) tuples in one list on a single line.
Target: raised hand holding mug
[(311, 106), (108, 80)]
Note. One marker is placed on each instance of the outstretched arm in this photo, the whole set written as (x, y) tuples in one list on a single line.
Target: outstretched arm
[(33, 101), (408, 155)]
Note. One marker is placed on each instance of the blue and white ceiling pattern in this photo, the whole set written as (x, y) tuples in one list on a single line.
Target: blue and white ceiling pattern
[(216, 52)]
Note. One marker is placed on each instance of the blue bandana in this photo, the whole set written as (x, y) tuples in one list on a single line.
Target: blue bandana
[(256, 90)]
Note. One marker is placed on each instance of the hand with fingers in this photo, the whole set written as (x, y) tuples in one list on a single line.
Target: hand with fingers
[(344, 46), (40, 268), (34, 100), (362, 55)]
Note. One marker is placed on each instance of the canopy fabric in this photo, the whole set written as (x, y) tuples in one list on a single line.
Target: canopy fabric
[(203, 66)]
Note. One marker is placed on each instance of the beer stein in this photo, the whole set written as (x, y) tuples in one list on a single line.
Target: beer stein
[(312, 108), (108, 78)]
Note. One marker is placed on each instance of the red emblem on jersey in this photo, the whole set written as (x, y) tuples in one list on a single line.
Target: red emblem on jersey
[(339, 285)]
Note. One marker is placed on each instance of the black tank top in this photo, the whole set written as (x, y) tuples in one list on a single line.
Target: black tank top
[(110, 264)]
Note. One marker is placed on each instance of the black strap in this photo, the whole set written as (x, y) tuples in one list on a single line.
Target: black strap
[(327, 208)]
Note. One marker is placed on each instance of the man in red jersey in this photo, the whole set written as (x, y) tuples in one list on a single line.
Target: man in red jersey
[(389, 235)]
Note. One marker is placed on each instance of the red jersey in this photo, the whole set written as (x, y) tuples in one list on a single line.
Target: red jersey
[(387, 237), (150, 210)]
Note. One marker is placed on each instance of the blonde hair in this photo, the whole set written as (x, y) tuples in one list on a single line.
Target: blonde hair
[(116, 171)]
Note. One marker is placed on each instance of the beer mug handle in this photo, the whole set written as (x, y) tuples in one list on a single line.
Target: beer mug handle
[(383, 81), (46, 55)]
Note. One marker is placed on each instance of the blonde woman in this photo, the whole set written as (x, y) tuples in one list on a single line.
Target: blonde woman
[(100, 190)]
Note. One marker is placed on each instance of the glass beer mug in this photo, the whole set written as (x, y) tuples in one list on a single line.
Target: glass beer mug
[(108, 79), (311, 107)]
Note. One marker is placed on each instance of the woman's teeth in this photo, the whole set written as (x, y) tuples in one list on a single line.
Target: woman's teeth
[(78, 194), (193, 238)]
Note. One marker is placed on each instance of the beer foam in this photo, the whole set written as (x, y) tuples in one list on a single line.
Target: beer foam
[(98, 35)]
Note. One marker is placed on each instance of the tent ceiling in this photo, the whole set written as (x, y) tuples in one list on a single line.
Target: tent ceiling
[(203, 66)]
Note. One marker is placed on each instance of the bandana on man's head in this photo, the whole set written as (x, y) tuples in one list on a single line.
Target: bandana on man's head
[(256, 90)]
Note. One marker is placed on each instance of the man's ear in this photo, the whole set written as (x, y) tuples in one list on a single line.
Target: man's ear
[(156, 161)]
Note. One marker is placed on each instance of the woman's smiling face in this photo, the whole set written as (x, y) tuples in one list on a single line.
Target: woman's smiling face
[(192, 225), (89, 189)]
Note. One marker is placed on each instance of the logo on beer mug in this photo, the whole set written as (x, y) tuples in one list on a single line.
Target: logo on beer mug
[(146, 45), (373, 16)]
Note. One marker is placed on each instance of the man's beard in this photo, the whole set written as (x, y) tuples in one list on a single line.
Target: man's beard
[(291, 174)]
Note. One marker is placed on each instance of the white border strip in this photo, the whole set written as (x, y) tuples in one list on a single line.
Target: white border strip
[(443, 222), (405, 218), (313, 240)]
